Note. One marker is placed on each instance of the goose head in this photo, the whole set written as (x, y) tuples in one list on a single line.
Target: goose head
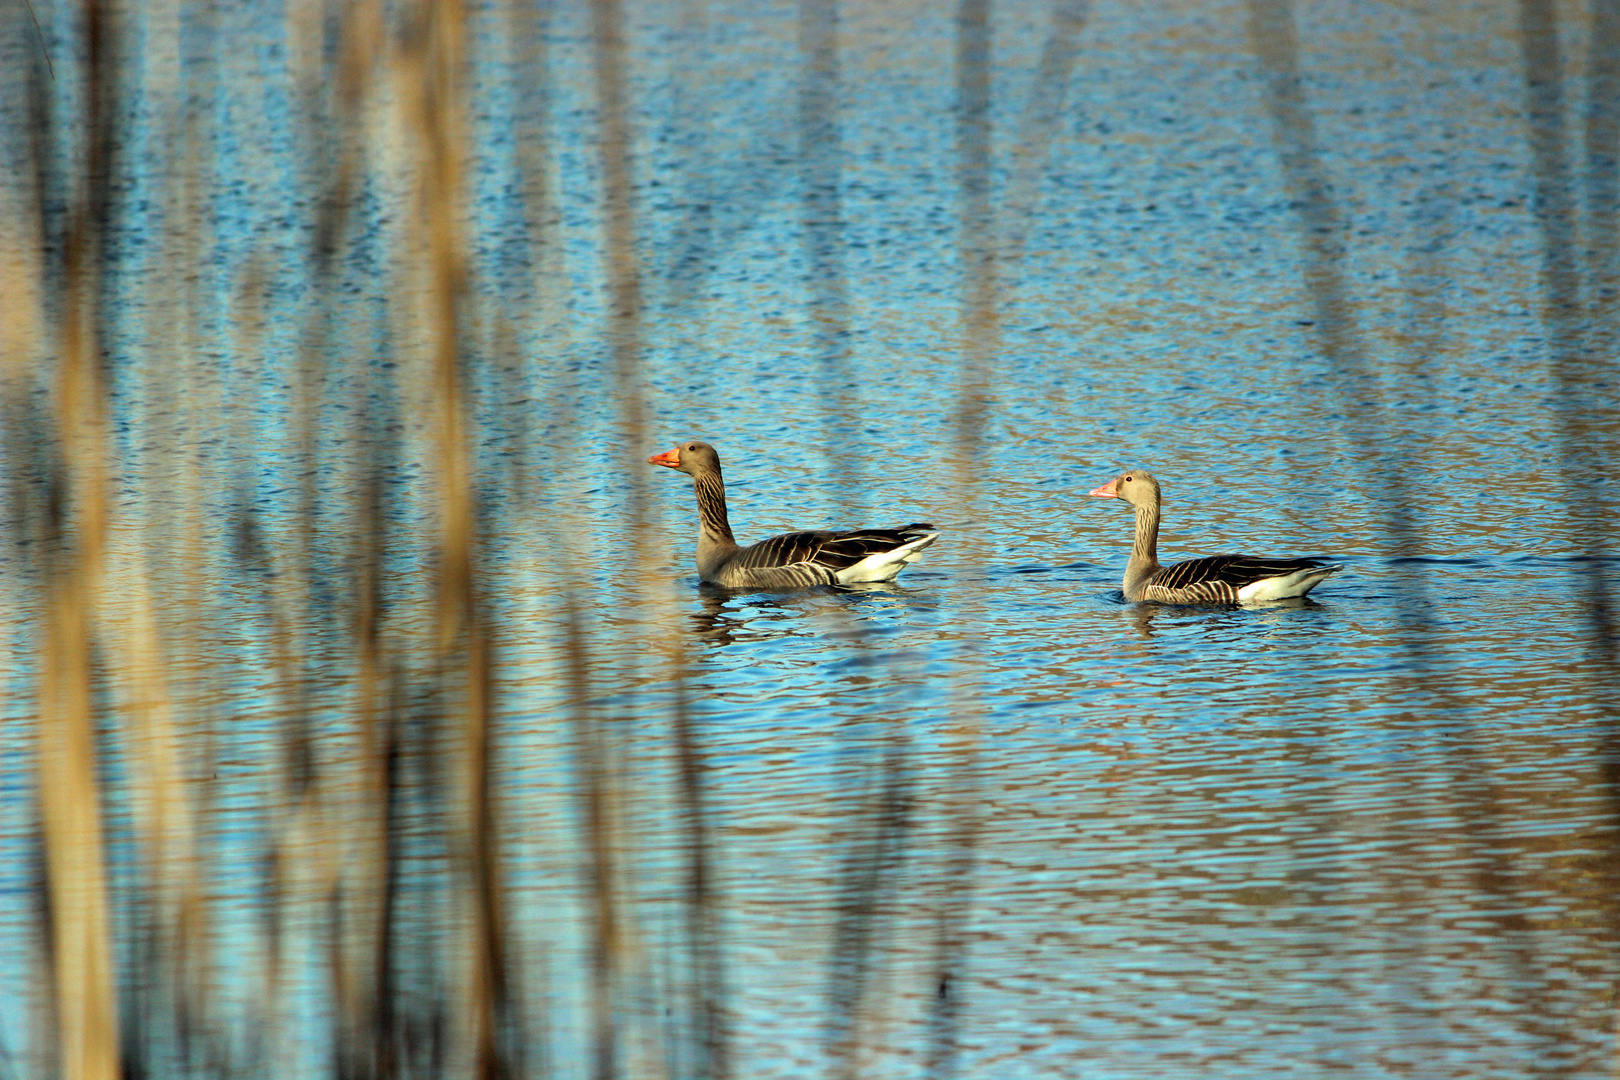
[(693, 458), (1135, 486)]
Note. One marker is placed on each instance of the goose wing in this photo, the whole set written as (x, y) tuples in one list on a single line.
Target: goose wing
[(1235, 571), (830, 551)]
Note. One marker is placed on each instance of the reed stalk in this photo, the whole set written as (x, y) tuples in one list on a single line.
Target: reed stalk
[(68, 787), (978, 258), (381, 820)]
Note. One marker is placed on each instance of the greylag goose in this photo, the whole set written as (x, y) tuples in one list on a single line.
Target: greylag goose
[(792, 560), (1216, 579)]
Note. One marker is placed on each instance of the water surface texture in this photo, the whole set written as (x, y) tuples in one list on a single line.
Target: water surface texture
[(418, 749)]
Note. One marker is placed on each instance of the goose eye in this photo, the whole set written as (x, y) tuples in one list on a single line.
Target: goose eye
[(1127, 479)]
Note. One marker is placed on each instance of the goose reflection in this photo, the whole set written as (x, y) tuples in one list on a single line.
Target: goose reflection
[(717, 624), (1148, 620), (729, 616)]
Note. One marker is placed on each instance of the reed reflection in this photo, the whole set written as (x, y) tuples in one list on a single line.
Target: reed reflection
[(300, 586)]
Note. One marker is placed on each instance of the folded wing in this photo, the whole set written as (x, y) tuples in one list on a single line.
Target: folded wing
[(1234, 579), (823, 557)]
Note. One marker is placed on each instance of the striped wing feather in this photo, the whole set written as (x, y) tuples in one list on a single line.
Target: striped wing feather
[(832, 550), (1233, 571)]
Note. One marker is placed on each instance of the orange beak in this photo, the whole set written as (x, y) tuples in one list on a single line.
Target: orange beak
[(671, 458), (1107, 491)]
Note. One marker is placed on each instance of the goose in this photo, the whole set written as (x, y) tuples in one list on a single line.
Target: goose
[(792, 560), (1215, 579)]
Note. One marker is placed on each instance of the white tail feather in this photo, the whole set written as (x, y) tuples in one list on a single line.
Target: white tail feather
[(1286, 586), (886, 564)]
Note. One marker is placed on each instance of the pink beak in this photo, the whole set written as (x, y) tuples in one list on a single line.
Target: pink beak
[(1107, 491), (671, 458)]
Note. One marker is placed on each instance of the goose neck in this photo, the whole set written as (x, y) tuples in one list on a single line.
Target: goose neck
[(1146, 546), (1144, 561), (711, 501)]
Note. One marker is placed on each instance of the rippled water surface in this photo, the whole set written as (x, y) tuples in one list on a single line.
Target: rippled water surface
[(1365, 833)]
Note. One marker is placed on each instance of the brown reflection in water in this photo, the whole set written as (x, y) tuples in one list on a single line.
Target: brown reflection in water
[(1580, 318), (1038, 127), (602, 800), (879, 835), (1271, 29), (821, 155), (980, 335), (387, 757)]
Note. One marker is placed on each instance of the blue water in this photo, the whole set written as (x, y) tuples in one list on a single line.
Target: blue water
[(1363, 834)]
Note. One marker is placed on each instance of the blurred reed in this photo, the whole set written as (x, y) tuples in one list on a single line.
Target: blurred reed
[(70, 531), (383, 833), (978, 257), (385, 751), (1577, 329)]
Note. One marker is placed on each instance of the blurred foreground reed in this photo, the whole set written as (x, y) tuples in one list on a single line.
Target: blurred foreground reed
[(362, 619), (364, 623), (383, 747)]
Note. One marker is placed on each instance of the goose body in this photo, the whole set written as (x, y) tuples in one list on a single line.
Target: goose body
[(793, 560), (1215, 579)]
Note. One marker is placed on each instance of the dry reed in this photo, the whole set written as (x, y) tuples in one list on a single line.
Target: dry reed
[(383, 659)]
